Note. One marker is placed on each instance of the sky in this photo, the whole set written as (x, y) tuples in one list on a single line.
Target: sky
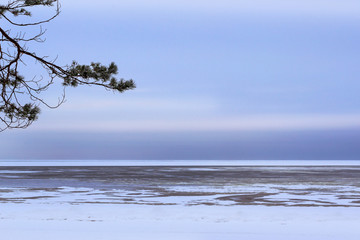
[(231, 79)]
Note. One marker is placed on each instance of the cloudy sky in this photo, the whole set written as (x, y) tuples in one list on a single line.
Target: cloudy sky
[(231, 79)]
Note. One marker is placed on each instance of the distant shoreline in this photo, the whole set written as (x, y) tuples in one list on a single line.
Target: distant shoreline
[(84, 163)]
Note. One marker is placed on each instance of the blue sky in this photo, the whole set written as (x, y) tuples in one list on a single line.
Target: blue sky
[(209, 73)]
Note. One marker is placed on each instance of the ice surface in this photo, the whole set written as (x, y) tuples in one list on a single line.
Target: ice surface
[(180, 203), (136, 222)]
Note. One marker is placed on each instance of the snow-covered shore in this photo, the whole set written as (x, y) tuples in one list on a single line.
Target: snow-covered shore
[(163, 222), (179, 202)]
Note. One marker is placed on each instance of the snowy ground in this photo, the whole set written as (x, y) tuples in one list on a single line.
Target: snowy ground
[(185, 203), (135, 222)]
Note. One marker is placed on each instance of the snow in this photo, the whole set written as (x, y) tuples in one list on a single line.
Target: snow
[(188, 195), (85, 213), (177, 210), (134, 222)]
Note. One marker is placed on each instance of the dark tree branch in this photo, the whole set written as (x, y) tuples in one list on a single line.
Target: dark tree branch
[(20, 97)]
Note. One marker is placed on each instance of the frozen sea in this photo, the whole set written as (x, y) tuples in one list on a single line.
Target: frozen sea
[(76, 199)]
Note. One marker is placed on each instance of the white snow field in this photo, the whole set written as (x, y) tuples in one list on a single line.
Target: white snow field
[(173, 222), (88, 201)]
